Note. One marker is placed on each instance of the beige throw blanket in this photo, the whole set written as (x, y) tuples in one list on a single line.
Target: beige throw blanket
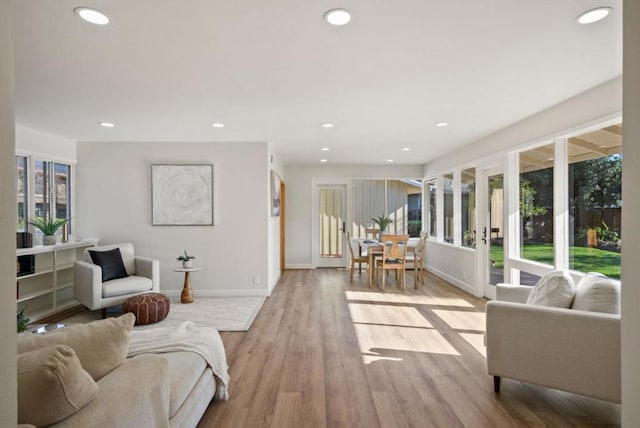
[(204, 341)]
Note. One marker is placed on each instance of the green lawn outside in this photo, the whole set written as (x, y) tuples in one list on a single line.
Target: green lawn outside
[(582, 259)]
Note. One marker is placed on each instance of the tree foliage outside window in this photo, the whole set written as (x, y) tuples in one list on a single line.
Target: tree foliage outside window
[(528, 208), (596, 183), (536, 205)]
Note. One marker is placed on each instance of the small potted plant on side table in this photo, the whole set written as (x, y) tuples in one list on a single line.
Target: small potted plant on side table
[(186, 260), (49, 227)]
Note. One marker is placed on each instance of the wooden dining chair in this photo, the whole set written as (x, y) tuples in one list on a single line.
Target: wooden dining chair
[(355, 257), (415, 260), (394, 252), (371, 231)]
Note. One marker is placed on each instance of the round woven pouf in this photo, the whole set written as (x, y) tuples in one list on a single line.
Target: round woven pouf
[(148, 308)]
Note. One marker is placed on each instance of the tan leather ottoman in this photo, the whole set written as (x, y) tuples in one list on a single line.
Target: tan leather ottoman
[(148, 308)]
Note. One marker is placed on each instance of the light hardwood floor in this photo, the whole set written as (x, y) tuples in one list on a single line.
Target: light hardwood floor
[(326, 353)]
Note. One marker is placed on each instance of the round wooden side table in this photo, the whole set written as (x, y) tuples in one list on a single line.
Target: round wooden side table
[(187, 294)]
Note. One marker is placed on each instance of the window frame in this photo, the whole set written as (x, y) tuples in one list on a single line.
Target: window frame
[(429, 226)]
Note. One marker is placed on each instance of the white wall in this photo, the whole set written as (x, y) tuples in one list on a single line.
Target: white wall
[(601, 102), (8, 402), (456, 265), (598, 104), (630, 219), (113, 194), (274, 224), (299, 191), (32, 141)]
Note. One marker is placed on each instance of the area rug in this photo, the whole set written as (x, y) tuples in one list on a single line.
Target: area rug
[(221, 313)]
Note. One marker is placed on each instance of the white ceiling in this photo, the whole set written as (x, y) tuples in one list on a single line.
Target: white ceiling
[(274, 71)]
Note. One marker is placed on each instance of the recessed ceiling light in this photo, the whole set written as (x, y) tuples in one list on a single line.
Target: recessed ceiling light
[(107, 124), (442, 124), (389, 160), (325, 149), (593, 15), (327, 125), (91, 15), (337, 16), (406, 149), (323, 160), (218, 125)]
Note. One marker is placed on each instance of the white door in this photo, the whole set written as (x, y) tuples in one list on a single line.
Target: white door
[(330, 219), (492, 231)]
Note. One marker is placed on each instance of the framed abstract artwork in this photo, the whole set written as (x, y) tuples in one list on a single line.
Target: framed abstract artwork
[(275, 194), (182, 195)]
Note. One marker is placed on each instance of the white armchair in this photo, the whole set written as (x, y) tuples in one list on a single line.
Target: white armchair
[(144, 277), (569, 349)]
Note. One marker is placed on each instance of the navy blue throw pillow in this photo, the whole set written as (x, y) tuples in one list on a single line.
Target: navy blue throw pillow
[(110, 262)]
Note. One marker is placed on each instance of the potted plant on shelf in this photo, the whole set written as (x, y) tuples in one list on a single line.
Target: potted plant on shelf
[(48, 227), (383, 222), (186, 260), (22, 321)]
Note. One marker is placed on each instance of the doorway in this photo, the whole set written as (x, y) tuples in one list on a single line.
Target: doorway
[(329, 223), (493, 230)]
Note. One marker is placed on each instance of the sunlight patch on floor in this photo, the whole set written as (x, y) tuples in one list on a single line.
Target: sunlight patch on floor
[(387, 315), (368, 296), (368, 359), (477, 341), (377, 338), (461, 320)]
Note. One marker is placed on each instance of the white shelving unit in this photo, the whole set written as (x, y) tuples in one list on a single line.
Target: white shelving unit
[(50, 288)]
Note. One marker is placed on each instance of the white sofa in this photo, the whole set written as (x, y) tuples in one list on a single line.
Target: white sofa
[(568, 349), (171, 389)]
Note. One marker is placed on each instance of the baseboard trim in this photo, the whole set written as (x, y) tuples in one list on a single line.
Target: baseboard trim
[(219, 293), (299, 266), (461, 285)]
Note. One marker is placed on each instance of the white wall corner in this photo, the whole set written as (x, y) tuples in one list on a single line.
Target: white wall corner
[(273, 283)]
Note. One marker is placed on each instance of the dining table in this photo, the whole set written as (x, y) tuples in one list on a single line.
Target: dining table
[(373, 248)]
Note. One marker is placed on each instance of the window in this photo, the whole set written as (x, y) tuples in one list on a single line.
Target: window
[(22, 192), (62, 193), (595, 201), (432, 213), (51, 194), (589, 204), (400, 200), (414, 199), (536, 204), (447, 187), (42, 190), (468, 202), (367, 202)]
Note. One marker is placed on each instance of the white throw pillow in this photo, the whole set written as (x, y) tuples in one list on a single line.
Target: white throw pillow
[(554, 289), (597, 293)]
